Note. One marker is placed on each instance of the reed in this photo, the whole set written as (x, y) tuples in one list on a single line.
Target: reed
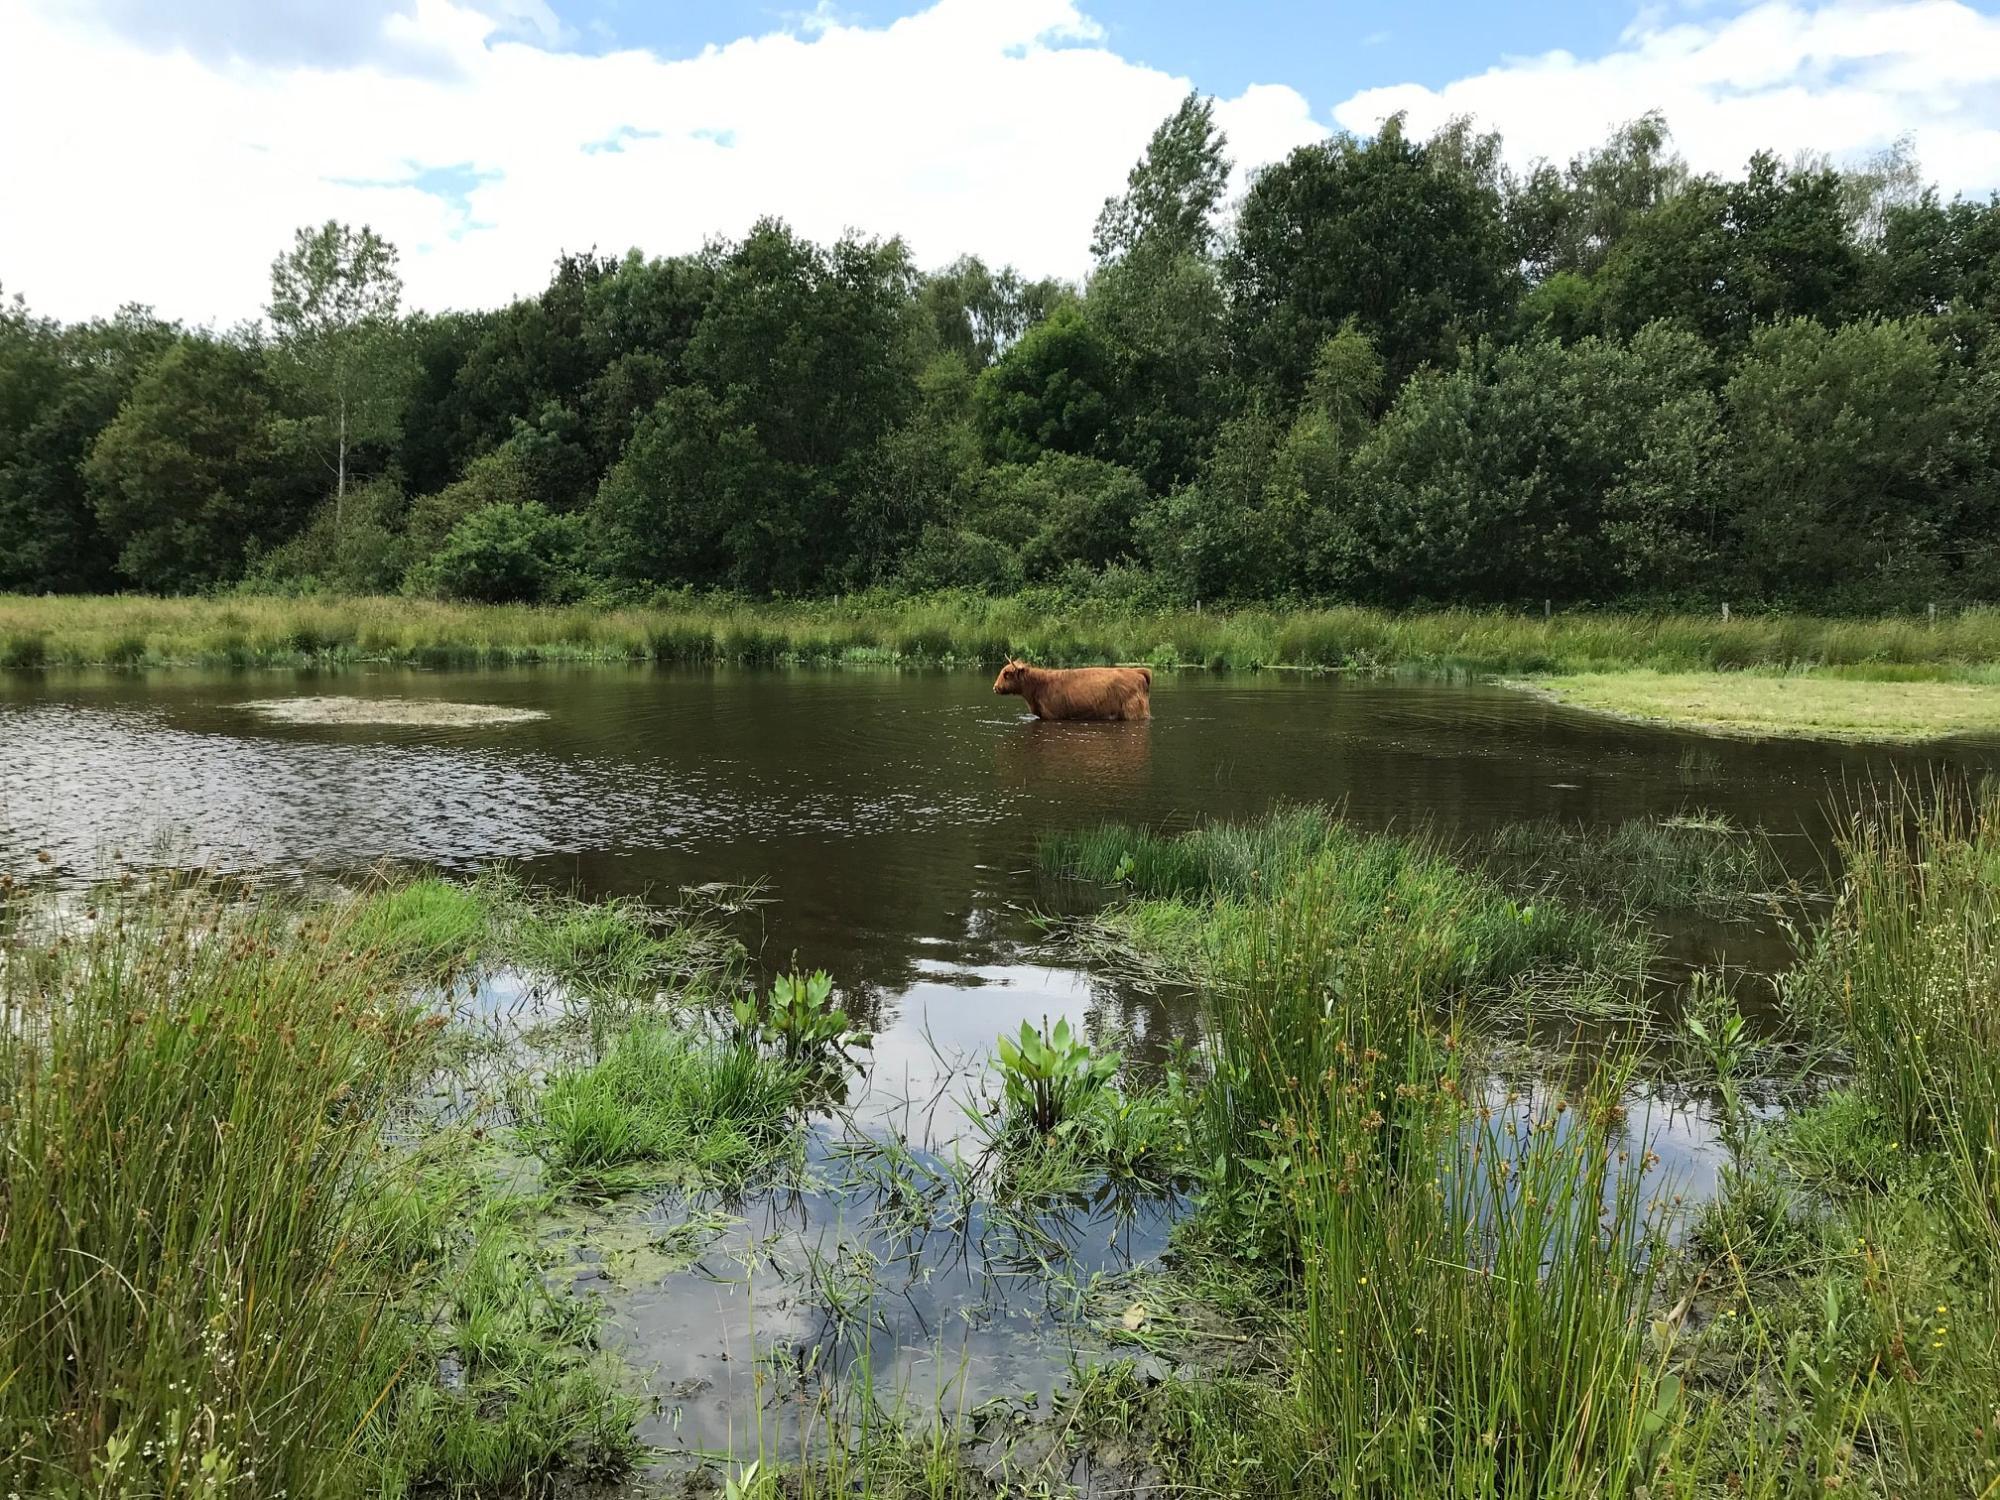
[(223, 1258), (243, 630)]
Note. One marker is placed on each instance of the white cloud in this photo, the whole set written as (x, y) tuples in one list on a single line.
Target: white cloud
[(1845, 78), (173, 177), (171, 168)]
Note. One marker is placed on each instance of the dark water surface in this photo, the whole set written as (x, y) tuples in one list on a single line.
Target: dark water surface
[(892, 814), (892, 818)]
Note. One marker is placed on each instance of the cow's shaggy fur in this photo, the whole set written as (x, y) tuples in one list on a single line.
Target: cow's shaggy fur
[(1079, 692)]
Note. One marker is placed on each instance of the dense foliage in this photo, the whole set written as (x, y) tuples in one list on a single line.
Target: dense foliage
[(1395, 372)]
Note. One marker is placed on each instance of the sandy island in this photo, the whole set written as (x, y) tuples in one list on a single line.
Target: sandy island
[(419, 711)]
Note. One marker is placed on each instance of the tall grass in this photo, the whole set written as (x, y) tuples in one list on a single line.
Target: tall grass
[(1198, 900), (38, 633), (189, 1106), (216, 1274), (1906, 975), (1471, 1273)]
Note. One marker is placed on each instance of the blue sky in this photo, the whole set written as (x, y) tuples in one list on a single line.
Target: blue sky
[(486, 137), (1325, 50)]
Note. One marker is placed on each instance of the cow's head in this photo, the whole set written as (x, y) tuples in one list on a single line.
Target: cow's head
[(1009, 680)]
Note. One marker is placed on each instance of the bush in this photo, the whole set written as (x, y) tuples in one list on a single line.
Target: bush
[(506, 554), (948, 558)]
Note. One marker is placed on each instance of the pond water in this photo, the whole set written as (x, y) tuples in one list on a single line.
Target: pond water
[(891, 819)]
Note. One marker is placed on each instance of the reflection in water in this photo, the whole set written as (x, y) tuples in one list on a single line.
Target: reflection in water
[(1091, 754)]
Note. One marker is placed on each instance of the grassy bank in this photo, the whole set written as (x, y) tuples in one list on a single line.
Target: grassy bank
[(245, 631), (1875, 703)]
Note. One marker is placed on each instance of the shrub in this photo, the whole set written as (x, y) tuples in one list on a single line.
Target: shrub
[(506, 554)]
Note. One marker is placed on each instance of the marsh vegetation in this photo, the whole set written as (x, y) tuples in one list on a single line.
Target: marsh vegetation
[(1422, 1242)]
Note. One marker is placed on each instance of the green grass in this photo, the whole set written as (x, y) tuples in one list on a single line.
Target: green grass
[(1889, 704), (135, 631), (215, 1276), (1905, 976), (1199, 901), (1690, 863), (666, 1105)]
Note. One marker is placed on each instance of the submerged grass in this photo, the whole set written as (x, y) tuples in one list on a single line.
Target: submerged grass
[(1693, 862), (39, 633)]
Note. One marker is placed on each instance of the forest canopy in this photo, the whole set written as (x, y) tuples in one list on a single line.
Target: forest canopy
[(1394, 371)]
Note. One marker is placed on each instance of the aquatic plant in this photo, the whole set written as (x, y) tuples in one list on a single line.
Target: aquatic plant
[(1720, 1034), (801, 1021), (1048, 1077)]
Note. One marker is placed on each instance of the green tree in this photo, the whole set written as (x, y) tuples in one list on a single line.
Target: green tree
[(979, 314), (1859, 458), (1217, 540), (1053, 392), (1163, 320), (1059, 512), (688, 502), (333, 305), (1171, 195), (1568, 220), (1721, 258), (1397, 236), (1942, 260), (59, 387), (1501, 480), (192, 479)]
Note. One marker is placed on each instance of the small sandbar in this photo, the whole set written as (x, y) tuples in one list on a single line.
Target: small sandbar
[(430, 712)]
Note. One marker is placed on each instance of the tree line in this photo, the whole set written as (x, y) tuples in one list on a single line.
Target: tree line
[(1395, 371)]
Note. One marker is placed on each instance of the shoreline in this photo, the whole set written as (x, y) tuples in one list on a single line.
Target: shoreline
[(145, 633)]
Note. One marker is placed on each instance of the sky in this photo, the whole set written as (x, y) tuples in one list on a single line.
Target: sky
[(163, 154)]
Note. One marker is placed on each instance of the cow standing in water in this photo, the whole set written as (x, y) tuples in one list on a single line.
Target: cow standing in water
[(1079, 692)]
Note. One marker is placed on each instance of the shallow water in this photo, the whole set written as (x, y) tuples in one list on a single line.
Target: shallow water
[(891, 817)]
